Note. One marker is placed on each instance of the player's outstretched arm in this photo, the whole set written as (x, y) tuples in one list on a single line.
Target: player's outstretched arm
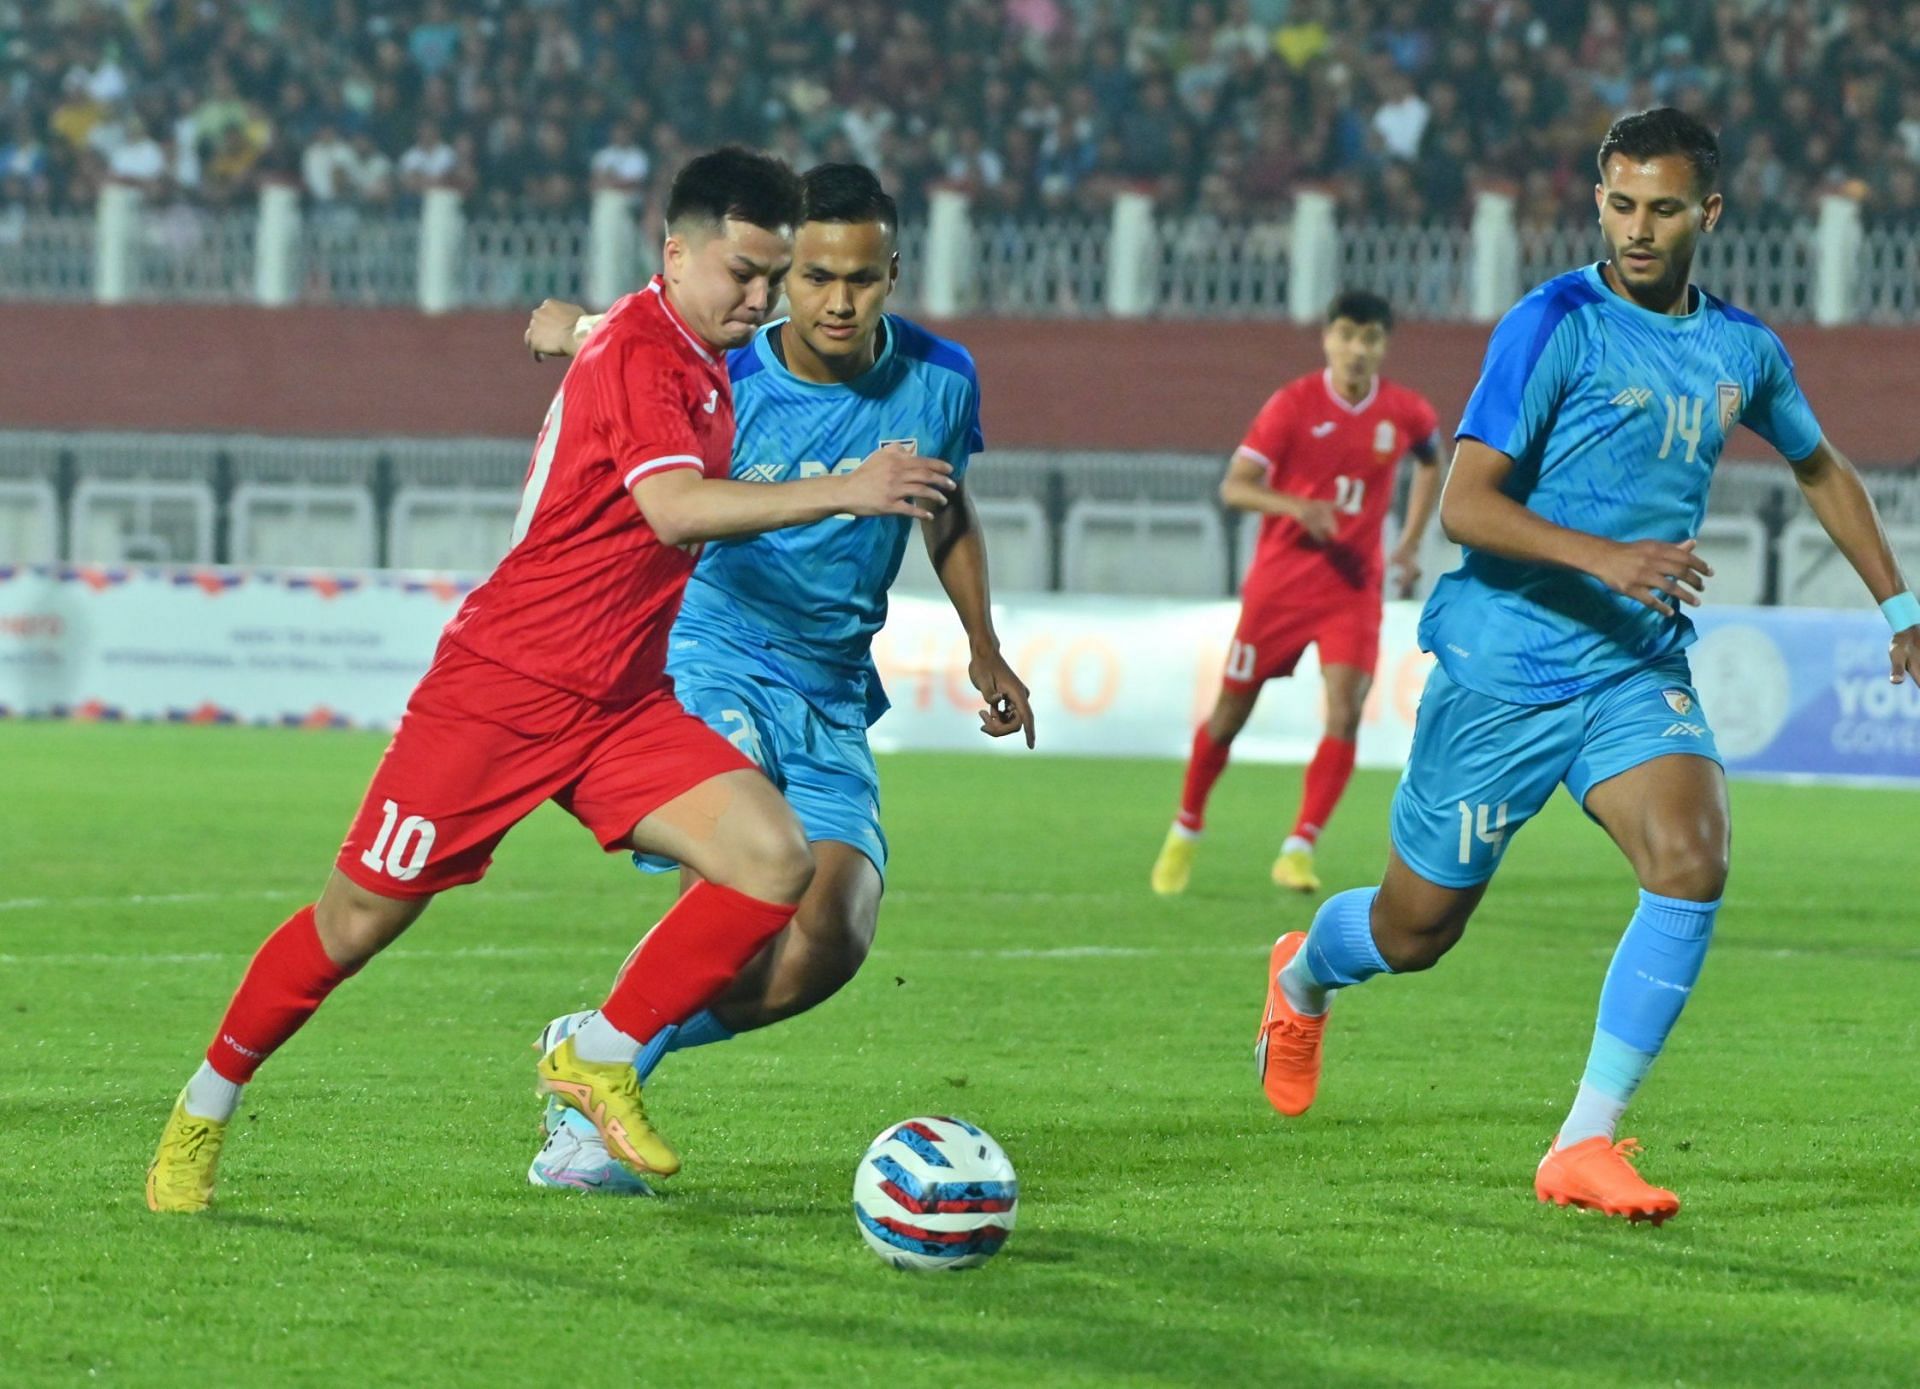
[(685, 508), (1244, 488), (958, 550), (557, 328), (1837, 496), (1474, 512)]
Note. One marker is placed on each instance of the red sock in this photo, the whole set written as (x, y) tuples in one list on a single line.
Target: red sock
[(1327, 777), (692, 955), (289, 978), (1204, 766)]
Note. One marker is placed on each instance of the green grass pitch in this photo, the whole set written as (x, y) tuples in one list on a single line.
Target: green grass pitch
[(374, 1225)]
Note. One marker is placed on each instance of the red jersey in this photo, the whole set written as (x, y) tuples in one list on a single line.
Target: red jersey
[(1316, 444), (584, 599)]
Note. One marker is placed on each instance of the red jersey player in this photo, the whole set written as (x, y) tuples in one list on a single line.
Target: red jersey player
[(1318, 465), (548, 684)]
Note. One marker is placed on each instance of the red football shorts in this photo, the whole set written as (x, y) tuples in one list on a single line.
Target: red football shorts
[(481, 746), (1275, 632)]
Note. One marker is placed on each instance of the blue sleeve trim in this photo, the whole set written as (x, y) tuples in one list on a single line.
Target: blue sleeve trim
[(916, 343), (743, 362), (1498, 399)]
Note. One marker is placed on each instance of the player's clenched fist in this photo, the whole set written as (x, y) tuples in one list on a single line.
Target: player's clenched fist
[(550, 330), (893, 482), (1318, 519), (1644, 570)]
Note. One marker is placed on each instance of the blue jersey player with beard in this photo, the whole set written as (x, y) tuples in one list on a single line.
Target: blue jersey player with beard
[(772, 645), (1578, 484)]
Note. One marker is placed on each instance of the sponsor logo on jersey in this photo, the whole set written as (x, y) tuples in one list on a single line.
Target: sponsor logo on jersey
[(1323, 429), (758, 472), (1678, 700), (1684, 730), (713, 399), (1634, 398), (1729, 393)]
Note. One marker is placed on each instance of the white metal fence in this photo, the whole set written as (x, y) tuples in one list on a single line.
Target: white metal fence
[(1827, 269), (513, 262), (45, 256)]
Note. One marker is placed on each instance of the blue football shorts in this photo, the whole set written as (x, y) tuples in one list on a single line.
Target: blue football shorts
[(1482, 767), (824, 770)]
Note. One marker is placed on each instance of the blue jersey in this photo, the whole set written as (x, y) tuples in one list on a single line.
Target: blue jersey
[(801, 605), (1614, 417)]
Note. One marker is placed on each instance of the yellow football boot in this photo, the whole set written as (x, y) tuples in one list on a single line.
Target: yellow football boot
[(180, 1177), (1175, 865), (608, 1094), (1293, 870)]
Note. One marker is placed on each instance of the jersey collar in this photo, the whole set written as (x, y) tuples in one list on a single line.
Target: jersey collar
[(889, 340), (1352, 408), (1673, 322), (658, 286)]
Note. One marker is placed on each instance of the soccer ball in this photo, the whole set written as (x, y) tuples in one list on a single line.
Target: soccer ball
[(934, 1193)]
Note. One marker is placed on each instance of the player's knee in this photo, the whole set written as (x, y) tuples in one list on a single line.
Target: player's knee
[(354, 926), (1413, 938), (1229, 716), (1690, 867), (819, 975), (769, 860), (1343, 720)]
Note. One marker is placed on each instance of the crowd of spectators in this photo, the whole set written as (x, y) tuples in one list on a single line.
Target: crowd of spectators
[(1224, 106)]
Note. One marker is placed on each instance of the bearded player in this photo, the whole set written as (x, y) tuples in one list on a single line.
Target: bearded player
[(1318, 467), (1578, 486), (772, 646), (550, 684)]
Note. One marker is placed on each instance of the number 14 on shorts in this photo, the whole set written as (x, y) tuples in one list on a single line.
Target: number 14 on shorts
[(1486, 823), (401, 848)]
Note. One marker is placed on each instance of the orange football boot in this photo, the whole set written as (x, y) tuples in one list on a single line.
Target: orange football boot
[(1286, 1050), (1598, 1176)]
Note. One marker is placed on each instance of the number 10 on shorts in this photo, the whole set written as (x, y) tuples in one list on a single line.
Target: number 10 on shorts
[(406, 854), (1486, 823)]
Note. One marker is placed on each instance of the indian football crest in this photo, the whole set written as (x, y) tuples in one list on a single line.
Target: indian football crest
[(904, 445), (1678, 700), (1729, 405)]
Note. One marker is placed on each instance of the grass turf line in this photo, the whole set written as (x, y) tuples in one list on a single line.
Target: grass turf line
[(374, 1226)]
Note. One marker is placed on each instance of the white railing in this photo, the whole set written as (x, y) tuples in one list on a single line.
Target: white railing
[(512, 262), (1209, 268), (1422, 270), (1766, 271), (1824, 268), (47, 256), (1888, 288), (1554, 250), (350, 257), (1055, 268), (185, 253)]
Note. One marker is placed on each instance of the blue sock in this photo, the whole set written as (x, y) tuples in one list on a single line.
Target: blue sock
[(1648, 983), (1339, 951), (700, 1030)]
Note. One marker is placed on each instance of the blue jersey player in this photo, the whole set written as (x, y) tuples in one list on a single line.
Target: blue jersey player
[(1578, 484), (771, 647)]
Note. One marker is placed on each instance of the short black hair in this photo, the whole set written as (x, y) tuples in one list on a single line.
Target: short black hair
[(1361, 306), (1665, 130), (847, 193), (734, 181)]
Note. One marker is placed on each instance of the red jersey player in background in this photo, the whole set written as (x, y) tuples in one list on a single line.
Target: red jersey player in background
[(1319, 465), (549, 684)]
